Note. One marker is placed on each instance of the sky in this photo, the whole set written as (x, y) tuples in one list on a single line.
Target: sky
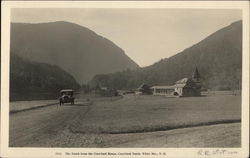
[(145, 35)]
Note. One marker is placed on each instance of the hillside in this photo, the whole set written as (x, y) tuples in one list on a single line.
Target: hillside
[(218, 59), (32, 80), (75, 49)]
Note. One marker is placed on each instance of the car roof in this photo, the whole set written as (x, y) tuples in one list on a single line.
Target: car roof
[(67, 90)]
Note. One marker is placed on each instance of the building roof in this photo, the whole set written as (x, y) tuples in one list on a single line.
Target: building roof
[(185, 82), (169, 87), (182, 81), (143, 86), (163, 87), (180, 85), (67, 90)]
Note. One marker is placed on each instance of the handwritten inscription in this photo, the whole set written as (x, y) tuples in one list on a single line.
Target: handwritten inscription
[(209, 152)]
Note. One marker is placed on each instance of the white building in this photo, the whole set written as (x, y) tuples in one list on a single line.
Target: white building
[(183, 87)]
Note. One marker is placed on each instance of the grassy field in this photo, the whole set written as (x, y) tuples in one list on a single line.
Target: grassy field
[(134, 114)]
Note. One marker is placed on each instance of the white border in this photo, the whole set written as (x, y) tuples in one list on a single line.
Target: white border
[(171, 152)]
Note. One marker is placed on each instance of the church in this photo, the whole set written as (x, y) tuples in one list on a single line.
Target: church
[(182, 88)]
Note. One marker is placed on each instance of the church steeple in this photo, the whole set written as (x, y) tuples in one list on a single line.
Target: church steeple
[(196, 75)]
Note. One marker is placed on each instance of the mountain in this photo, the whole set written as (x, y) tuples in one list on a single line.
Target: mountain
[(218, 59), (76, 49), (32, 80)]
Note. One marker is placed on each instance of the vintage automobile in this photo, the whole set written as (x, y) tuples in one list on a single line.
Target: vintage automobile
[(66, 96)]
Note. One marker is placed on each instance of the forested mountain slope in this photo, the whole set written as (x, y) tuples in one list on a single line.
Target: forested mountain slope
[(218, 59), (32, 80), (74, 48)]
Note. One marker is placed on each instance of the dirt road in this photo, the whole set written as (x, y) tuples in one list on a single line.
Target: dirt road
[(40, 125)]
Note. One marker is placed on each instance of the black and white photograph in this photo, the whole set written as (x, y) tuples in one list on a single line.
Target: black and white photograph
[(126, 77)]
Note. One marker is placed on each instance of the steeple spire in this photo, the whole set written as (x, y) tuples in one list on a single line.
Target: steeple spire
[(196, 75)]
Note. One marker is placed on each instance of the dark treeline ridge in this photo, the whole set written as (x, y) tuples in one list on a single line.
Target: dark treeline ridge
[(32, 80), (74, 48), (218, 59)]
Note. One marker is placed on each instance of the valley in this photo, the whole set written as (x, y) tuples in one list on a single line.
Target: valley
[(48, 57), (132, 121)]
